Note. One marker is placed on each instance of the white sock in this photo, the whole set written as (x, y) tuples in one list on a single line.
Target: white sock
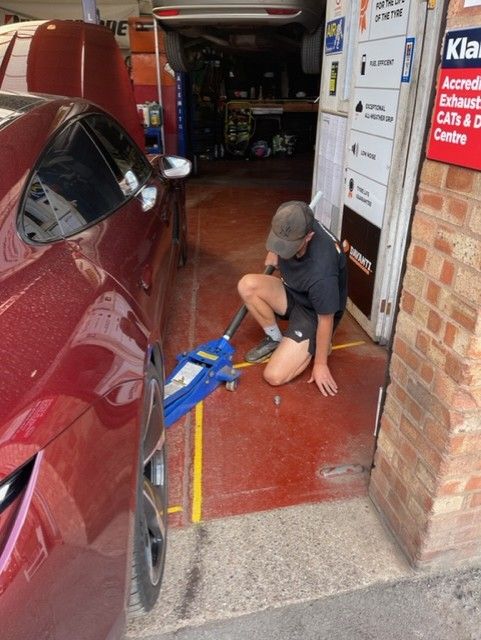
[(273, 332)]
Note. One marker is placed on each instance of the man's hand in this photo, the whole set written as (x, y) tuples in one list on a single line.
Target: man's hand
[(320, 371), (322, 377), (272, 259)]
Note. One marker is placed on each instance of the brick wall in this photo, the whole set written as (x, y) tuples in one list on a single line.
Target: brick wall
[(427, 475)]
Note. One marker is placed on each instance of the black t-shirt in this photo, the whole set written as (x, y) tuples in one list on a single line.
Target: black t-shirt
[(318, 280)]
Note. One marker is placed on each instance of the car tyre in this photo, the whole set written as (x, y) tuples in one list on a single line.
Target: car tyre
[(311, 52), (150, 527), (175, 51)]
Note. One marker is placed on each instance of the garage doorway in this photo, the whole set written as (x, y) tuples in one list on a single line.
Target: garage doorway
[(260, 447), (251, 125)]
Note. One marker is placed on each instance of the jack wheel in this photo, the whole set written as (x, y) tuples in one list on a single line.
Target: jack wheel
[(232, 385)]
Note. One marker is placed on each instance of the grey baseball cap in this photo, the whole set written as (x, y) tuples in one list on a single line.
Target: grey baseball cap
[(291, 223)]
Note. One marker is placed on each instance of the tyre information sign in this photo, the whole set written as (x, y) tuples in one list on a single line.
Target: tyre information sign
[(455, 136), (379, 68)]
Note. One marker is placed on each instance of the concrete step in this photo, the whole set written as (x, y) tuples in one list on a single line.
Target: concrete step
[(226, 568)]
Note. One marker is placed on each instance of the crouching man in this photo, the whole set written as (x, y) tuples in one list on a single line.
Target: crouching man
[(311, 294)]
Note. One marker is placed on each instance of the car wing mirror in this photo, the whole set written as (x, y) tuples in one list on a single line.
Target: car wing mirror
[(174, 167)]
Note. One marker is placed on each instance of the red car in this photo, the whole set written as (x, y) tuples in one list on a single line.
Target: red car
[(91, 234)]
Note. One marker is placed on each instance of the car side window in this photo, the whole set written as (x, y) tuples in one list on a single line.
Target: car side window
[(89, 170), (76, 184), (129, 165), (39, 220)]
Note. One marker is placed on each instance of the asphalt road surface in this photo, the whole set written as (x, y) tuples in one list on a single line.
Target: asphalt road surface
[(440, 607)]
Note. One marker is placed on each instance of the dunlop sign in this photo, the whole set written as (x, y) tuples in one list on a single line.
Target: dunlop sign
[(455, 136)]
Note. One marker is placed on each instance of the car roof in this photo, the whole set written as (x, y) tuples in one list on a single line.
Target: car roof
[(14, 105)]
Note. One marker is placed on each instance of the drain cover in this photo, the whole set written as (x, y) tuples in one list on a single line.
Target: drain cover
[(341, 470)]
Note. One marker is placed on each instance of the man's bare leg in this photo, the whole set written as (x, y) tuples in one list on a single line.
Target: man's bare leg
[(264, 296), (288, 361)]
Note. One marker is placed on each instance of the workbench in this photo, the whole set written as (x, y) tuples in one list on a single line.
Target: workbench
[(265, 107), (266, 118)]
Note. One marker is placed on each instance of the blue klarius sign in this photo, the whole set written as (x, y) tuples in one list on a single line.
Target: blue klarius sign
[(462, 49), (334, 36)]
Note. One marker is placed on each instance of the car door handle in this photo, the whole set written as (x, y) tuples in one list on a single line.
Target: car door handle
[(148, 198)]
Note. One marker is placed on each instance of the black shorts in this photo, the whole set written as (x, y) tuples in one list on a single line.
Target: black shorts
[(303, 322)]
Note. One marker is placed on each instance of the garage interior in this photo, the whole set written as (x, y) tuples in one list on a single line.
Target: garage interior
[(261, 447), (250, 106), (250, 130)]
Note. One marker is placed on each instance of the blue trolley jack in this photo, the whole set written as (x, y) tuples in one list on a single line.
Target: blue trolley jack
[(201, 371)]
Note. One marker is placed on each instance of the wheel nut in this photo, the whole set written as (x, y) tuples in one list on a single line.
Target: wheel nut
[(277, 400)]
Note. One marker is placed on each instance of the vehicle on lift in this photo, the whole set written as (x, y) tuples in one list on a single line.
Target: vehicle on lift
[(250, 25), (91, 234)]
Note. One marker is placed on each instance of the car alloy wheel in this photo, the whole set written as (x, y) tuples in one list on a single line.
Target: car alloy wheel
[(153, 521), (150, 534)]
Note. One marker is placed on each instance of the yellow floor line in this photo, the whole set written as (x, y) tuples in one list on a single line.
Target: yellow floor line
[(348, 344), (197, 481), (198, 434), (176, 509), (242, 365)]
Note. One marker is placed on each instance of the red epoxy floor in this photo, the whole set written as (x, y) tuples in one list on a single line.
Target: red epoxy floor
[(258, 455)]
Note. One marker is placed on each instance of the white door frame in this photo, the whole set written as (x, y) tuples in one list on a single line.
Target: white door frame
[(403, 189), (413, 120)]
